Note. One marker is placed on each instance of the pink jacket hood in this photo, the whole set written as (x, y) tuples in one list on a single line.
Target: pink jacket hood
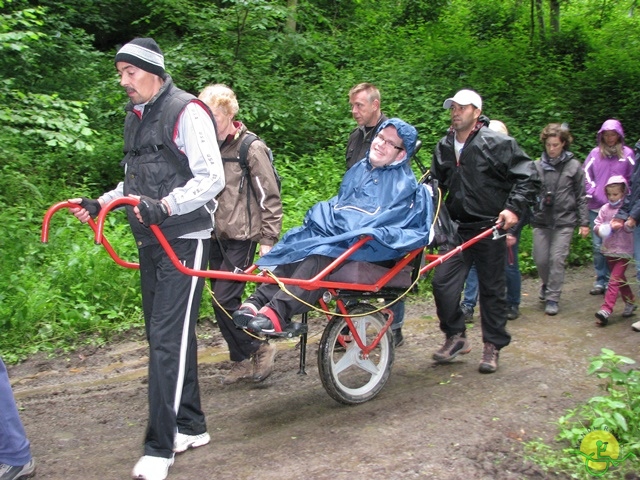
[(611, 124), (618, 179)]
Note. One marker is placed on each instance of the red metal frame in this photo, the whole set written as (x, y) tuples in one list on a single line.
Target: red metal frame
[(253, 274)]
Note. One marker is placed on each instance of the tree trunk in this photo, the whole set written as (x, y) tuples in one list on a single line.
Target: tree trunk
[(540, 18), (292, 6), (532, 23), (554, 15)]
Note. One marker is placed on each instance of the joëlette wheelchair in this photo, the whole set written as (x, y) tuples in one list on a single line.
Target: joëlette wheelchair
[(356, 350)]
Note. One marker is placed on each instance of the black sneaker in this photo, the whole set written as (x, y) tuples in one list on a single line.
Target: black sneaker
[(260, 324), (512, 312), (453, 346), (9, 472), (242, 317), (542, 294), (597, 290), (467, 312), (398, 339)]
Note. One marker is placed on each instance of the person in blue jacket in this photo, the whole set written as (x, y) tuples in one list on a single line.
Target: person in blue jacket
[(378, 196)]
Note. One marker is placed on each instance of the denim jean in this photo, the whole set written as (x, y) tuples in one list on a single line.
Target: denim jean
[(398, 315), (470, 297), (15, 449), (636, 250), (599, 262), (513, 277)]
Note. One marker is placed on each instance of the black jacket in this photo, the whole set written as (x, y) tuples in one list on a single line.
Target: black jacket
[(360, 142), (493, 174), (154, 166)]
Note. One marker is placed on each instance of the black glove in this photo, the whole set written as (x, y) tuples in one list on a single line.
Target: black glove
[(153, 212), (91, 206)]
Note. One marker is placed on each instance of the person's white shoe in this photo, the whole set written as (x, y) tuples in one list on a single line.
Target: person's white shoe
[(182, 442), (152, 468), (636, 326)]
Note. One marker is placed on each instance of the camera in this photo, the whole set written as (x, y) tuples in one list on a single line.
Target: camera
[(547, 199)]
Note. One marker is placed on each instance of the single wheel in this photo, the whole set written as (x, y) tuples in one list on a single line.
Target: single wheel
[(348, 374)]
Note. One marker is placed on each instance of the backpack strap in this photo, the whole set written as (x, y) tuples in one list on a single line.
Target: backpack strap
[(248, 139), (225, 257)]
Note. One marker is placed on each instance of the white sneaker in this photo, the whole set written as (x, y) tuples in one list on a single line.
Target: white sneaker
[(629, 309), (182, 442), (152, 468), (636, 326)]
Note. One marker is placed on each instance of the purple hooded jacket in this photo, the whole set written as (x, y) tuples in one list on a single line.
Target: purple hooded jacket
[(598, 169), (620, 242)]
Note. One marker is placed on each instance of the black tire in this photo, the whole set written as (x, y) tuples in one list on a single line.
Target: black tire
[(346, 376)]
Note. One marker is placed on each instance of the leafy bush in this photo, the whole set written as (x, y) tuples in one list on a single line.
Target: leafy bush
[(616, 411), (67, 292)]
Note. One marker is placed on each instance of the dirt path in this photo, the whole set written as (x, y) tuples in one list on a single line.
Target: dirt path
[(85, 413)]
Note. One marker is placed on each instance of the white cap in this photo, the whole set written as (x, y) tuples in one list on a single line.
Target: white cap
[(464, 97)]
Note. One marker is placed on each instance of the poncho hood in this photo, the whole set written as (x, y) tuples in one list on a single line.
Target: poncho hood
[(406, 132)]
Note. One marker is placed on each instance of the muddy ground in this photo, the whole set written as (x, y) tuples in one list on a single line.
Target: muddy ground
[(85, 412)]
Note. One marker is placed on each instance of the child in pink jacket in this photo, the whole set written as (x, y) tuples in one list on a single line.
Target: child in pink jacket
[(617, 247)]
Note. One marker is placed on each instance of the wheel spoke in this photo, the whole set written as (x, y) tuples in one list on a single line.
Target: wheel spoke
[(368, 366), (348, 359)]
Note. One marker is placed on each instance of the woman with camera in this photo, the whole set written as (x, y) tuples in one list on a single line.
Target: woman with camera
[(562, 205)]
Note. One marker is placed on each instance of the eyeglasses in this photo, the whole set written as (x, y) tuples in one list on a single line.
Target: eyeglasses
[(387, 142)]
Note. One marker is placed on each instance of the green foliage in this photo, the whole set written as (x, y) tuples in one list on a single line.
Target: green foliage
[(59, 123), (618, 408), (617, 411), (62, 107), (306, 181), (67, 292)]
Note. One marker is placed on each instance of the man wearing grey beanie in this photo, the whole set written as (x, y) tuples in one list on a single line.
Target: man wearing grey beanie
[(172, 165)]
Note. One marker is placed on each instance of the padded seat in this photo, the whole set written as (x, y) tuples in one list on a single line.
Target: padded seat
[(368, 273)]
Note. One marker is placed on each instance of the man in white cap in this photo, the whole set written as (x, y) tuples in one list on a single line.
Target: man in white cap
[(486, 179), (172, 165)]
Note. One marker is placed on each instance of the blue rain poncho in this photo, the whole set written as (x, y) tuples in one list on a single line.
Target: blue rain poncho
[(386, 203)]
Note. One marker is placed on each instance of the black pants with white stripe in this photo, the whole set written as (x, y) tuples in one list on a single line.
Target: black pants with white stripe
[(171, 303)]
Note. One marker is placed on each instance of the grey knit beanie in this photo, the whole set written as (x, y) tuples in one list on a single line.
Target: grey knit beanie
[(143, 53)]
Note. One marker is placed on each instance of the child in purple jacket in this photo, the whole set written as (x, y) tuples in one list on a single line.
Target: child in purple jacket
[(617, 248)]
